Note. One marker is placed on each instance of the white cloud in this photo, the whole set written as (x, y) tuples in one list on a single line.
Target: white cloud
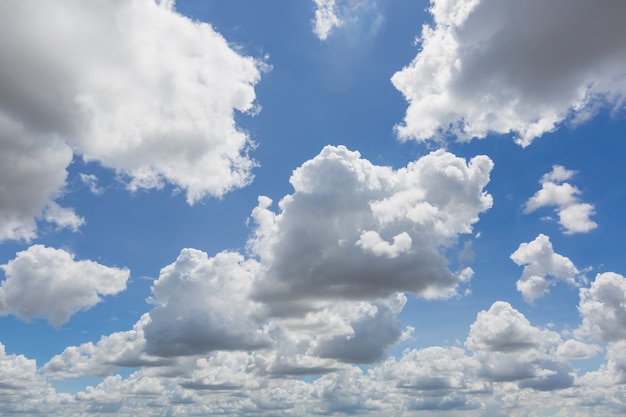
[(91, 181), (202, 305), (488, 66), (359, 19), (574, 216), (503, 329), (133, 85), (32, 175), (331, 236), (326, 18), (49, 283), (63, 217), (575, 349), (540, 261), (603, 307)]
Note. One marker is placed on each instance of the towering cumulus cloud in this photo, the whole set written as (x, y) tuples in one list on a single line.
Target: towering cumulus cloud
[(354, 230), (505, 66), (133, 85)]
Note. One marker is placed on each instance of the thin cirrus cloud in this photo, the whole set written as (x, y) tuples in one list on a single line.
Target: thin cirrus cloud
[(99, 96), (524, 68)]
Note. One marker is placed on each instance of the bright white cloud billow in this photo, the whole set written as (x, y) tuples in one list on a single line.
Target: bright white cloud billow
[(574, 216), (133, 85), (353, 230), (603, 307), (493, 66), (540, 261), (49, 283)]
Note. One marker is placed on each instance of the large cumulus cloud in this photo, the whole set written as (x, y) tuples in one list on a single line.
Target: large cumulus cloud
[(492, 66), (133, 85), (354, 230)]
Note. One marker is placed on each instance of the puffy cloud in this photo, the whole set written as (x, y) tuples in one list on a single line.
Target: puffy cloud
[(353, 230), (574, 216), (603, 307), (503, 329), (202, 305), (575, 349), (23, 391), (488, 66), (49, 283), (509, 348), (540, 261), (133, 85), (62, 217), (432, 369), (120, 349), (32, 175)]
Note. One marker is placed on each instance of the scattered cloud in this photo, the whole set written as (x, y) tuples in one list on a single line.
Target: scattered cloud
[(540, 261), (49, 283), (603, 307), (92, 79), (574, 216), (505, 67)]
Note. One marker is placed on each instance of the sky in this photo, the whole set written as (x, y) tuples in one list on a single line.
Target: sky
[(312, 208)]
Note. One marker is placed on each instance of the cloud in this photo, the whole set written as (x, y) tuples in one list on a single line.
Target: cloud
[(574, 216), (202, 305), (132, 85), (358, 19), (326, 18), (502, 67), (353, 230), (503, 329), (540, 261), (49, 283), (602, 307), (32, 175)]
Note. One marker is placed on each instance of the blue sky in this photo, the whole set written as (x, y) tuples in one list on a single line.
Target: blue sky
[(315, 207)]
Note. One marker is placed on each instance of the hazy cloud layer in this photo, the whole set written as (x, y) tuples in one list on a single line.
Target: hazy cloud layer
[(133, 85), (490, 66), (49, 283), (540, 261), (354, 230), (574, 216)]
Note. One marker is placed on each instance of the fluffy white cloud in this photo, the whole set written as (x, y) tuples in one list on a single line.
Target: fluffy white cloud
[(509, 348), (493, 66), (503, 329), (574, 216), (24, 391), (133, 85), (202, 305), (540, 261), (49, 283), (603, 307), (32, 175), (353, 230)]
